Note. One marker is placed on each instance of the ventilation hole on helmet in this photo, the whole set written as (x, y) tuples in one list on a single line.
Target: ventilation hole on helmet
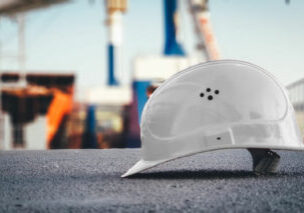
[(208, 90), (210, 97), (216, 92), (218, 138), (202, 94)]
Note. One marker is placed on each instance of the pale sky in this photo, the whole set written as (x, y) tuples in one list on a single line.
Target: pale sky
[(73, 37)]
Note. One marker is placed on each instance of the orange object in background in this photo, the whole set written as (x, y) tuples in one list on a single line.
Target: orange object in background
[(61, 105)]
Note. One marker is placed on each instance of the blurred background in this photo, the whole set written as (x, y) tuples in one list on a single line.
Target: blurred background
[(76, 74)]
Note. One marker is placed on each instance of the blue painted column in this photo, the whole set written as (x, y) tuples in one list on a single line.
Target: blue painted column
[(114, 47), (89, 139), (111, 66), (140, 88), (172, 47)]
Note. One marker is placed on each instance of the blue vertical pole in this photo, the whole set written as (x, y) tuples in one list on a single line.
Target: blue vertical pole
[(89, 140), (111, 66), (140, 88), (172, 47)]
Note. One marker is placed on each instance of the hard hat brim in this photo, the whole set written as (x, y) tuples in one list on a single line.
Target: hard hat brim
[(141, 166)]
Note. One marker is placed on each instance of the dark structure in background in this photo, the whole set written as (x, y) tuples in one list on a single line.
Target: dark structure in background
[(62, 88), (69, 124), (24, 104)]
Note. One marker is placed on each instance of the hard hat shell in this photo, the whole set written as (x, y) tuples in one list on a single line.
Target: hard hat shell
[(216, 105)]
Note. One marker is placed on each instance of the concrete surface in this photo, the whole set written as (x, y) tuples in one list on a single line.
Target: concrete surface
[(89, 181)]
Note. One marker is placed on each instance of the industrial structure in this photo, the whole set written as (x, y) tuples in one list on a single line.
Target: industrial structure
[(174, 58), (296, 96), (35, 111), (114, 9), (199, 10), (26, 97), (112, 105), (109, 115), (12, 7)]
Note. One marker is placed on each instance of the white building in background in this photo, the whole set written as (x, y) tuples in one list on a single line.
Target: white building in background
[(296, 96)]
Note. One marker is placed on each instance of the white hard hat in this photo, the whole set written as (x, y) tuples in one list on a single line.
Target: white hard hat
[(216, 105)]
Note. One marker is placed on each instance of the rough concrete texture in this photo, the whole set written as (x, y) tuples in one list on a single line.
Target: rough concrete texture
[(89, 181)]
